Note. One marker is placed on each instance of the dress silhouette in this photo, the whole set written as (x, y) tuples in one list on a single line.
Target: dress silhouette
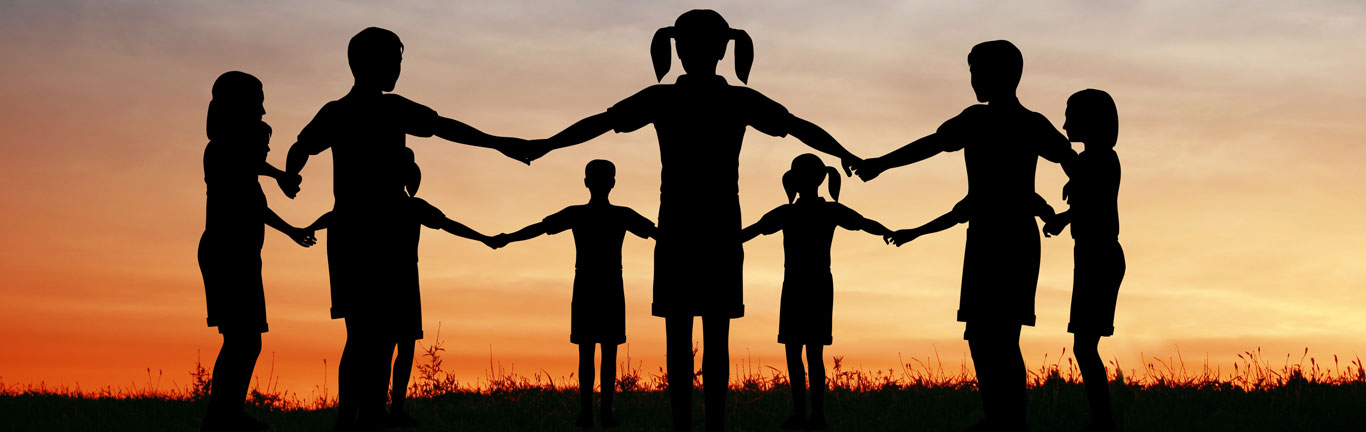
[(598, 307), (700, 122), (364, 129), (1001, 141), (807, 305), (1092, 194), (230, 249)]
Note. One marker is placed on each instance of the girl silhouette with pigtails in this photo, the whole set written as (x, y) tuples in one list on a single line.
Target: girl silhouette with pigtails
[(808, 224), (700, 121)]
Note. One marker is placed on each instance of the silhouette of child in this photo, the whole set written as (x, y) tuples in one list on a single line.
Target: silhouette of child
[(598, 307), (807, 305), (1002, 142), (230, 249), (700, 122), (1092, 193), (362, 127), (399, 309)]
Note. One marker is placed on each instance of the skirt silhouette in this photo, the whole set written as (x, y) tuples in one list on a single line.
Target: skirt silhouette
[(807, 307), (598, 309), (1096, 276)]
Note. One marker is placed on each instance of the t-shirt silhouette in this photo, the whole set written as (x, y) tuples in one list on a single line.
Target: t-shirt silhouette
[(598, 306), (364, 131), (1001, 146), (700, 122), (1094, 193)]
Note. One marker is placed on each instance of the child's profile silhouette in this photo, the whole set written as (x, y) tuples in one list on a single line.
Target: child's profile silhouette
[(230, 249), (806, 310), (598, 307)]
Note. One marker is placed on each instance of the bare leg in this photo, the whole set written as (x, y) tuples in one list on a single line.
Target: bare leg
[(609, 384), (678, 341), (1000, 376), (347, 368), (380, 352), (585, 385), (815, 361), (231, 377), (398, 394), (1097, 382), (715, 369), (796, 373)]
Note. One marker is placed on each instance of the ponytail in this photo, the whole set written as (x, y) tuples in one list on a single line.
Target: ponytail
[(660, 51), (709, 27), (834, 182), (744, 54)]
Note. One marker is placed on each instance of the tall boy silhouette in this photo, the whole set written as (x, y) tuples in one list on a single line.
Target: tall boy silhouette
[(361, 128), (1001, 142), (598, 309)]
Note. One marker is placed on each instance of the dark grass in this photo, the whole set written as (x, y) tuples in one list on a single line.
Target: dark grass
[(1303, 396)]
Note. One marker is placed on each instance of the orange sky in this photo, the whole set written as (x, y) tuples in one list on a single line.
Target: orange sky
[(1240, 138)]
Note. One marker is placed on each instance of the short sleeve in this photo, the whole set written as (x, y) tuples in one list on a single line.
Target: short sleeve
[(414, 118), (560, 221), (764, 114), (636, 111), (634, 222), (846, 217), (774, 220), (957, 131), (426, 214), (1051, 144), (319, 133)]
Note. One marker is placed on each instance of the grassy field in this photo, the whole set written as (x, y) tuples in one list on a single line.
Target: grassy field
[(1304, 396)]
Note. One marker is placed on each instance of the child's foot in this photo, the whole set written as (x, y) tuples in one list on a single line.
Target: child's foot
[(400, 419), (585, 420), (793, 422), (609, 420), (817, 422)]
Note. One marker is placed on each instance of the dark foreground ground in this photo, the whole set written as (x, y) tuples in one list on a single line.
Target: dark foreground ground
[(1055, 406)]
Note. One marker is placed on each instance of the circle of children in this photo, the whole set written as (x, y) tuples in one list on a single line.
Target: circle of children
[(700, 121)]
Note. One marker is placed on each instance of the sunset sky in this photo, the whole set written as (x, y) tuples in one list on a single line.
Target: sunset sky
[(1241, 139)]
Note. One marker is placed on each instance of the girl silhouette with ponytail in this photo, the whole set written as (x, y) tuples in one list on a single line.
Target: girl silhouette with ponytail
[(808, 224), (700, 121)]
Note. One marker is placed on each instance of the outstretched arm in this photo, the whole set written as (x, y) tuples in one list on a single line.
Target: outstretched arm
[(577, 133), (916, 151), (642, 226), (320, 224), (948, 220), (528, 233), (767, 225), (460, 230), (455, 131), (302, 237), (821, 141)]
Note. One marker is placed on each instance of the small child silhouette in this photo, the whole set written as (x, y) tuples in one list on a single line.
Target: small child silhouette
[(399, 308), (230, 249), (598, 307), (1092, 193), (808, 226)]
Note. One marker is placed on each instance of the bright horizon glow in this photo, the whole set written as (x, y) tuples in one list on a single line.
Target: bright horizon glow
[(1240, 141)]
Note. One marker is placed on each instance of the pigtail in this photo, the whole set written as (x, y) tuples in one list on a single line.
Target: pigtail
[(834, 180), (790, 185), (744, 54), (660, 52)]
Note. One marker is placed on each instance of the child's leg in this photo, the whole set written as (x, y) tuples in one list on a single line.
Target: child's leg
[(403, 369), (586, 384), (609, 384), (1093, 375), (815, 362), (796, 374), (347, 367), (231, 376)]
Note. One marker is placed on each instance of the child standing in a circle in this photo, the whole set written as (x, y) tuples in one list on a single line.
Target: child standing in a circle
[(808, 224)]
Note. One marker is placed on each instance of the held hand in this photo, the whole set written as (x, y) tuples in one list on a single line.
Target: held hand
[(868, 169), (1066, 190), (1053, 227), (850, 162), (901, 237), (289, 183), (303, 237), (515, 148), (496, 242)]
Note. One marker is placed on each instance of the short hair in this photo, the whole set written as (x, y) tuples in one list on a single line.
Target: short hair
[(999, 58), (369, 45), (600, 168), (1097, 110)]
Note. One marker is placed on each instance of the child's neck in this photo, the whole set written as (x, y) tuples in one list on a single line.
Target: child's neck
[(599, 199)]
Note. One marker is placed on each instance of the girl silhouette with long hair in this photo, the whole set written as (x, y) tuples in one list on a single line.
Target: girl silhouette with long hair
[(230, 249), (1092, 194), (808, 224), (700, 121)]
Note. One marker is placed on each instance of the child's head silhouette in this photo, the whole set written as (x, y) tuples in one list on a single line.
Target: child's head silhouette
[(600, 176), (238, 103), (1092, 118), (701, 35), (375, 55), (995, 68), (806, 175)]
